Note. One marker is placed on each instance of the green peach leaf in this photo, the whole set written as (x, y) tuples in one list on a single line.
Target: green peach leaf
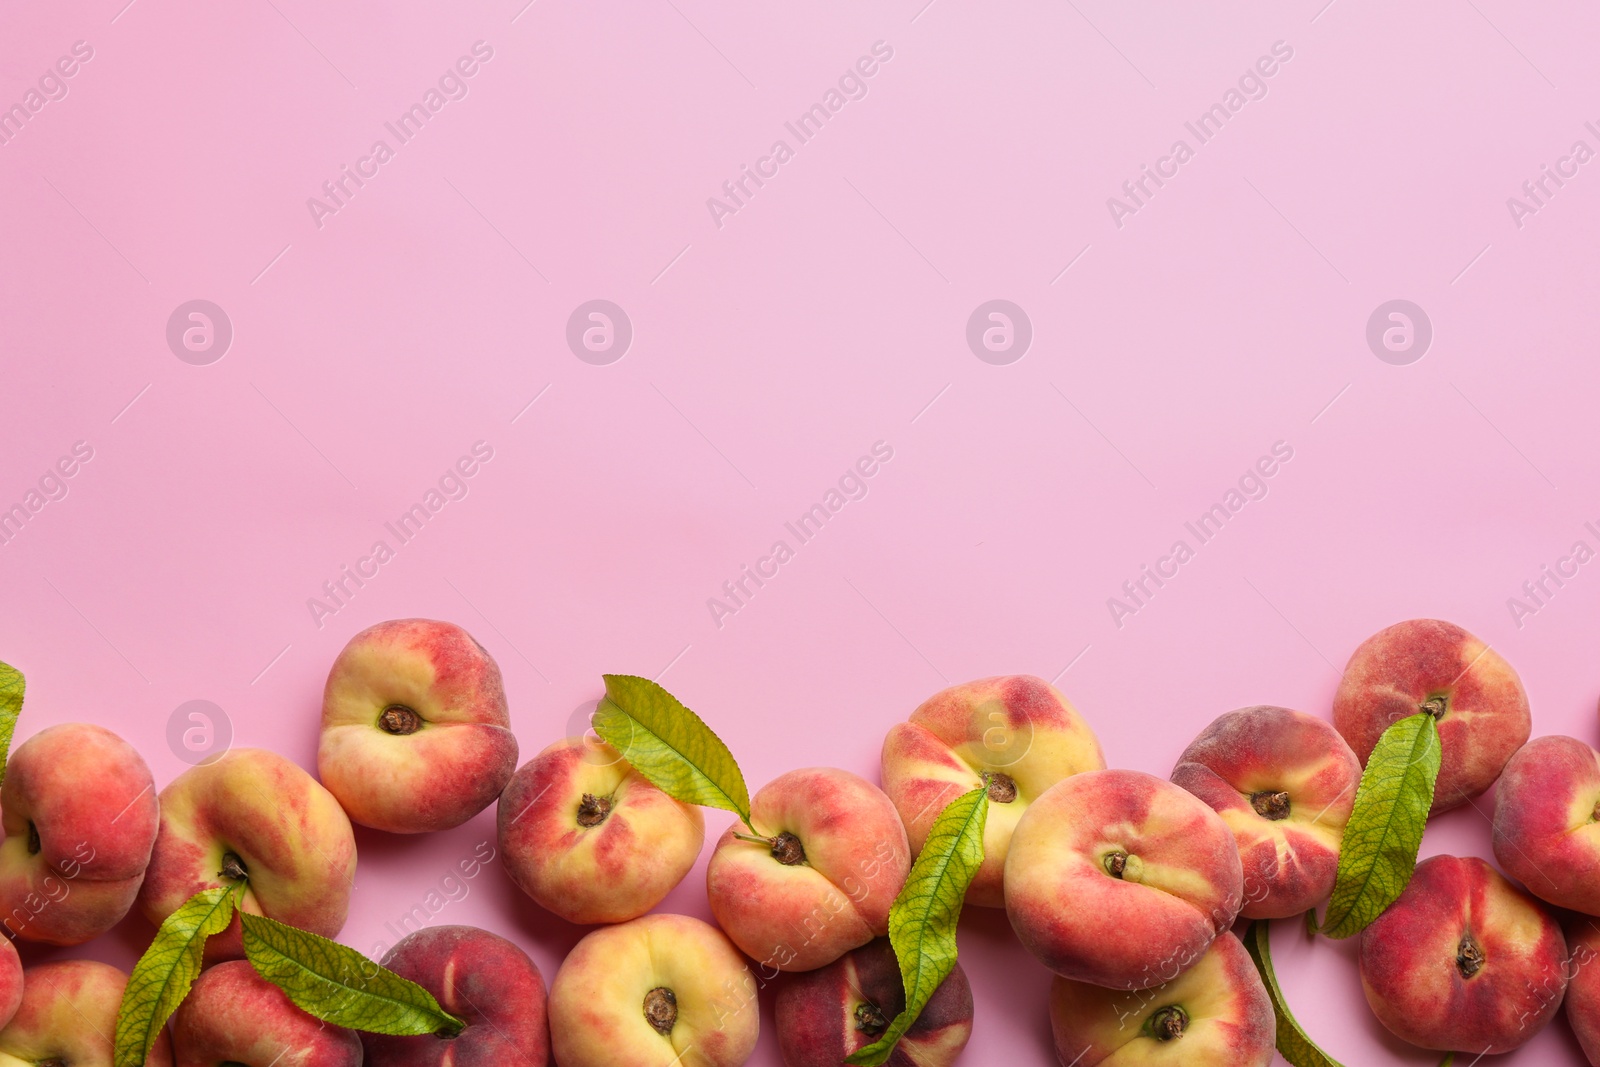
[(670, 745), (922, 920), (1293, 1043), (166, 971), (339, 985), (1379, 849), (12, 686)]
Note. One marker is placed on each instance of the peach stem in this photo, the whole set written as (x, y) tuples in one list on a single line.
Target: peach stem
[(661, 1009)]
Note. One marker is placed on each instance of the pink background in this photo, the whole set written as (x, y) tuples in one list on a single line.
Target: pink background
[(768, 354)]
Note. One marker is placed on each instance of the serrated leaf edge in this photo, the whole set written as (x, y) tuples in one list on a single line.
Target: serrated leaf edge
[(9, 711), (878, 1053), (1428, 736), (152, 1031), (253, 927), (733, 804)]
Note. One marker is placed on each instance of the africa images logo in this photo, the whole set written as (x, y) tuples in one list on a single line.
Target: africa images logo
[(737, 592), (452, 85), (1252, 85), (852, 85)]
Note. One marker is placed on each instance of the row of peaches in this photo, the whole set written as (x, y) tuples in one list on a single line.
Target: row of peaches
[(1123, 884)]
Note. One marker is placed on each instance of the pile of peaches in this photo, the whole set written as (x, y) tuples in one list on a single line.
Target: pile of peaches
[(1127, 886)]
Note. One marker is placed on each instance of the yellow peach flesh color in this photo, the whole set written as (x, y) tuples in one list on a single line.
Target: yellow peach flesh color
[(598, 998)]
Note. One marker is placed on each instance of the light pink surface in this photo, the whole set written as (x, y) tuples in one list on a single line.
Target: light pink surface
[(826, 314)]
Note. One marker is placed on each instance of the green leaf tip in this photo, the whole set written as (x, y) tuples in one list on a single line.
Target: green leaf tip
[(1379, 849), (670, 745), (923, 918), (167, 970), (339, 985), (1293, 1044), (12, 687)]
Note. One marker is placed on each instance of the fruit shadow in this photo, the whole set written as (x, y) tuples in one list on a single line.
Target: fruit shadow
[(1306, 988), (531, 924), (1010, 989), (121, 946), (1568, 1040), (767, 1048), (418, 874)]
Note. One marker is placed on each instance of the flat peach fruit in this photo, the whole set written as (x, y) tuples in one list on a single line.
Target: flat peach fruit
[(415, 731), (830, 1013), (815, 875), (1463, 961), (1583, 989), (590, 839), (1284, 782), (233, 1017), (1120, 879), (68, 1016), (483, 980), (1545, 833), (1437, 667), (10, 981), (658, 991), (1016, 734), (1215, 1014), (80, 821), (252, 816)]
